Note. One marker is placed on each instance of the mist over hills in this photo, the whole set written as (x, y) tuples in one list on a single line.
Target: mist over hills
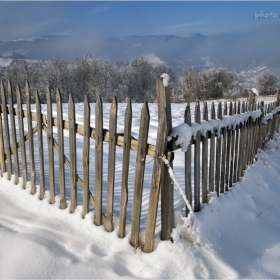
[(245, 51)]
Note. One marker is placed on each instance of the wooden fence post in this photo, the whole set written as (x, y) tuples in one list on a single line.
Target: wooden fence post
[(241, 147), (21, 135), (158, 176), (86, 148), (237, 147), (278, 104), (212, 152), (139, 175), (2, 149), (232, 154), (251, 97), (188, 162), (125, 167), (98, 161), (253, 137), (73, 153), (40, 146), (218, 154), (204, 157), (63, 203), (197, 118), (31, 142), (228, 154), (13, 130), (50, 145), (7, 132), (167, 199), (223, 153), (109, 225)]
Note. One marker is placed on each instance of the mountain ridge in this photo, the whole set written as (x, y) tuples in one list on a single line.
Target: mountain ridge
[(236, 52)]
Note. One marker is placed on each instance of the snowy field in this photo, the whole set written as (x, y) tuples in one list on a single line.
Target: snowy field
[(234, 236)]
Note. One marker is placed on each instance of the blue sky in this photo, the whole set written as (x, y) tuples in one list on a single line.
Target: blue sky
[(27, 19)]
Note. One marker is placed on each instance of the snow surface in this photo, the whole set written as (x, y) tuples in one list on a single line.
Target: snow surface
[(234, 236)]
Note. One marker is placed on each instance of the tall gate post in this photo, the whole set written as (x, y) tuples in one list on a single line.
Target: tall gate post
[(167, 201)]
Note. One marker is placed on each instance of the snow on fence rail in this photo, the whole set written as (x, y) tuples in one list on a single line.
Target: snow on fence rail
[(227, 146)]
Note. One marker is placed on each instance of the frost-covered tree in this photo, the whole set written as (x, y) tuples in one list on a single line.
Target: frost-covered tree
[(267, 83), (142, 80), (19, 72), (217, 82), (191, 84), (58, 76)]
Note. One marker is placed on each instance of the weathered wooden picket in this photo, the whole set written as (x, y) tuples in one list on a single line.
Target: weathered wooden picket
[(224, 158)]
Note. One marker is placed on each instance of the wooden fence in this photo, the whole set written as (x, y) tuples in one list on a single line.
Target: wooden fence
[(218, 172), (221, 160)]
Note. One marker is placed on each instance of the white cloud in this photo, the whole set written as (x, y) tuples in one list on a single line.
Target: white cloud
[(188, 27)]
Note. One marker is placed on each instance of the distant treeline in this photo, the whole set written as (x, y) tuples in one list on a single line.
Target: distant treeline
[(134, 79)]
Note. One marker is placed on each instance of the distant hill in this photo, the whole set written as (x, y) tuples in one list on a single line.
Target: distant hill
[(237, 52)]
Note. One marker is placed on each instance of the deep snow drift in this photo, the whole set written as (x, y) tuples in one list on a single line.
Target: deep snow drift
[(234, 236)]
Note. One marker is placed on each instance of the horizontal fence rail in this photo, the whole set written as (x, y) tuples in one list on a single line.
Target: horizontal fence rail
[(224, 141)]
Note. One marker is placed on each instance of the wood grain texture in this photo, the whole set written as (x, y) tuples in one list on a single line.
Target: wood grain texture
[(109, 226), (50, 124), (31, 142), (98, 161), (14, 135), (40, 146), (139, 175), (60, 133), (125, 169)]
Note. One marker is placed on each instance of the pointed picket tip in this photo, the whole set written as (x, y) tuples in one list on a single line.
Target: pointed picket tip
[(219, 112), (18, 91), (243, 107), (27, 85), (213, 113), (86, 104), (187, 115), (2, 88), (37, 98), (70, 98), (18, 94), (197, 117), (58, 96), (98, 99), (127, 100), (27, 91), (230, 108), (128, 106), (145, 109), (225, 107), (114, 104), (9, 86), (85, 99), (48, 93), (205, 111)]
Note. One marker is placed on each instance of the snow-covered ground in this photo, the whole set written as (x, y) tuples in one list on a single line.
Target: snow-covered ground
[(234, 236)]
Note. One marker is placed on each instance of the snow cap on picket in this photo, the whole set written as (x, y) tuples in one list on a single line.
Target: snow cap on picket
[(165, 79), (255, 91)]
